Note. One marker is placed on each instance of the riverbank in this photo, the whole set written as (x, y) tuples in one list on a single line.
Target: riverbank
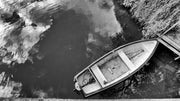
[(156, 16), (132, 31)]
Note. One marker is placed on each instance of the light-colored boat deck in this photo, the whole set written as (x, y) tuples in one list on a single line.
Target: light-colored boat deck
[(119, 63), (114, 68)]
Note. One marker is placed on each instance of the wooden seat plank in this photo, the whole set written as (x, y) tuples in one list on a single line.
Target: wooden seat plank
[(100, 77), (126, 59)]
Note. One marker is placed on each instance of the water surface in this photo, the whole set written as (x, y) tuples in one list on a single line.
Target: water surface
[(64, 54)]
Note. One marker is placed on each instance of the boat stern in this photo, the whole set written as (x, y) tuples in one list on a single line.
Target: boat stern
[(76, 86)]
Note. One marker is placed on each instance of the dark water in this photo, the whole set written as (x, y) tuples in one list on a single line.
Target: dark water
[(64, 54)]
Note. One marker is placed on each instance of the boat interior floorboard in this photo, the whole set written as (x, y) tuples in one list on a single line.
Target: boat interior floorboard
[(114, 68)]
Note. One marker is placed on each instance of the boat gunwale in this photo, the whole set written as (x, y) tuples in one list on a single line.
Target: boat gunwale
[(110, 52)]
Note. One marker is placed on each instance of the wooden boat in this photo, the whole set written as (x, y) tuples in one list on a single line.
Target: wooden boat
[(114, 67)]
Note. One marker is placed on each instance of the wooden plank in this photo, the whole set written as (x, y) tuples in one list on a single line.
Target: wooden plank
[(169, 29), (95, 69), (171, 42), (126, 59), (169, 46)]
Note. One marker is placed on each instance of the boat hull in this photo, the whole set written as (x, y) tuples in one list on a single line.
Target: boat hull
[(98, 78)]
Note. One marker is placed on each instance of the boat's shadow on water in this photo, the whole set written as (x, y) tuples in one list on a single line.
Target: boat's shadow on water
[(157, 79)]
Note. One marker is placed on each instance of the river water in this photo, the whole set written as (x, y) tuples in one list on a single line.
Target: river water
[(63, 53), (65, 50)]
